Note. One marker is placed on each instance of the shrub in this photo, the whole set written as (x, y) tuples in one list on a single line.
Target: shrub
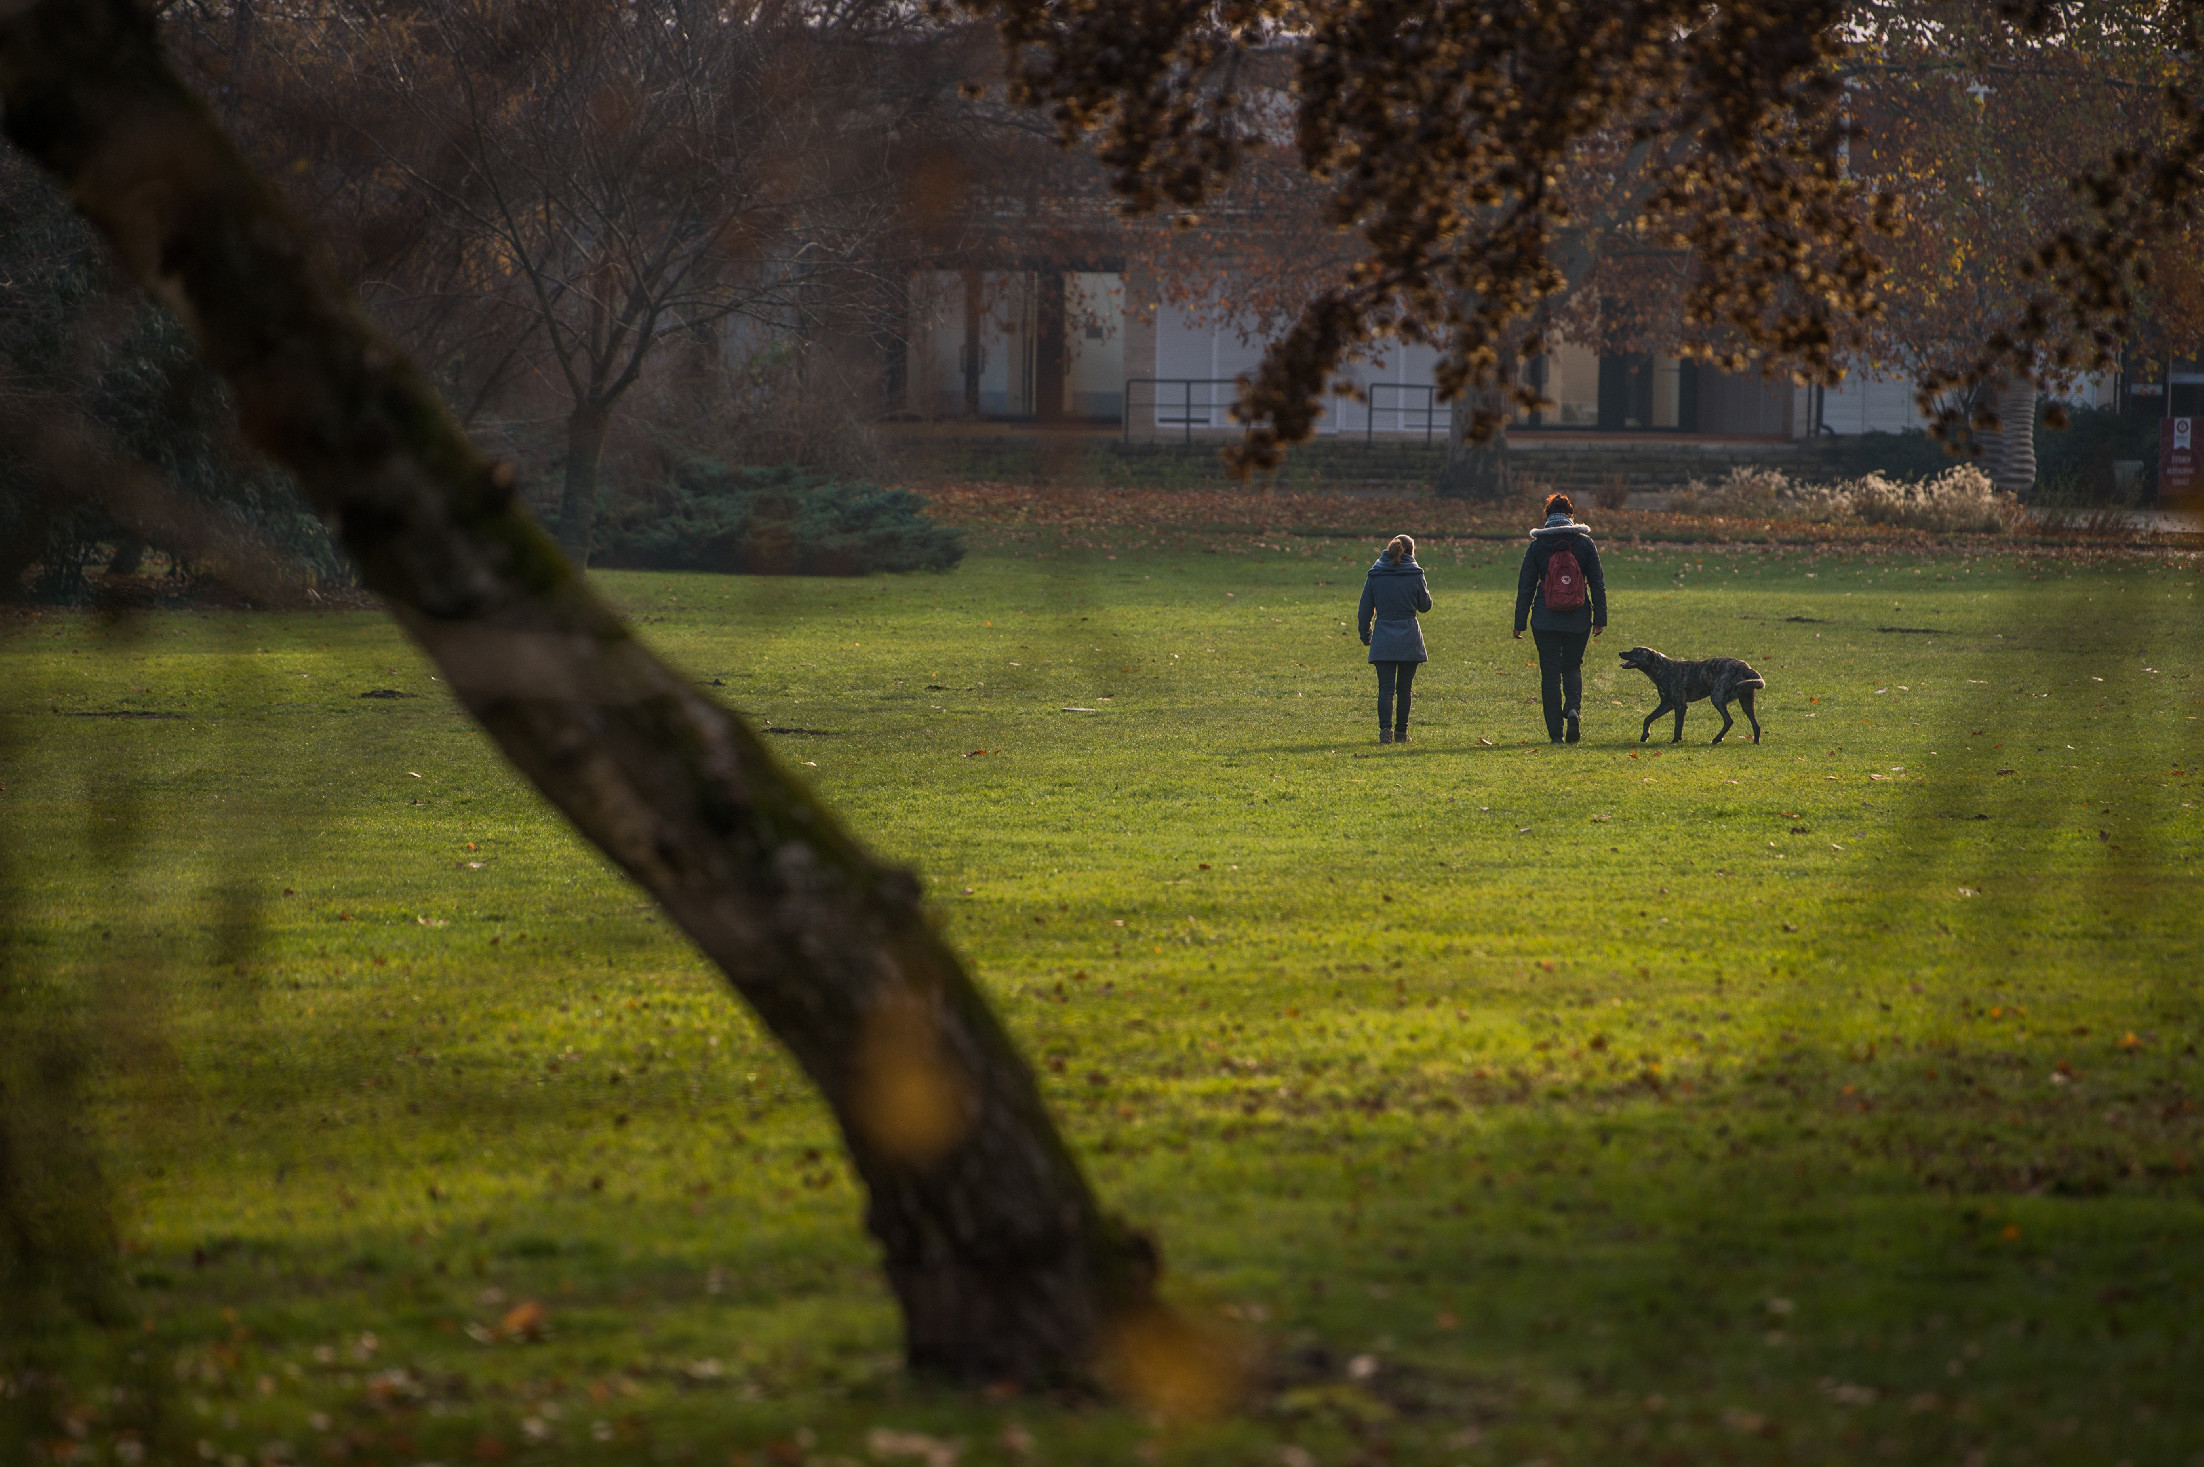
[(775, 522), (1755, 491), (1959, 499), (2074, 464)]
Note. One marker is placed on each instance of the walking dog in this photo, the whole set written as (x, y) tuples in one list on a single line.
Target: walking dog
[(1683, 683)]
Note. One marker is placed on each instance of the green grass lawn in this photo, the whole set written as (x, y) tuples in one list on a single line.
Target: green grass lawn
[(1834, 1100)]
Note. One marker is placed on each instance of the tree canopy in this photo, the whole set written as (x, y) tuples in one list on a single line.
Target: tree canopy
[(1464, 143)]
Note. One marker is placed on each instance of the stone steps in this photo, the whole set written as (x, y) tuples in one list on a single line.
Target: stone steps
[(1593, 471)]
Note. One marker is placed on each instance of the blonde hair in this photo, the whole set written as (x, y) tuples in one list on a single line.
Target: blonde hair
[(1402, 548)]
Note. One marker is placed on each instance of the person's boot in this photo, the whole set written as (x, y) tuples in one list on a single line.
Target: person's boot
[(1385, 736), (1575, 733), (1400, 735)]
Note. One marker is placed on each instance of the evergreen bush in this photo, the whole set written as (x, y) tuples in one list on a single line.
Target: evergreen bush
[(72, 332), (775, 522), (2074, 464)]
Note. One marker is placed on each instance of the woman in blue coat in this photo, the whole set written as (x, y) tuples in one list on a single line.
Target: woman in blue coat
[(1392, 594)]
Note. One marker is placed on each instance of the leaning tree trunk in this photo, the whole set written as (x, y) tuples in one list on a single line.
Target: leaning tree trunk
[(586, 428), (1002, 1260), (1476, 470), (2009, 449)]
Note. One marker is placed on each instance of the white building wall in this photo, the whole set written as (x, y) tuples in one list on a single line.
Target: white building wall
[(1094, 345), (1197, 368), (1869, 403)]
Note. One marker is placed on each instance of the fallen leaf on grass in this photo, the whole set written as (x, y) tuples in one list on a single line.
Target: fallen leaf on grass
[(1751, 1423), (887, 1443), (525, 1321)]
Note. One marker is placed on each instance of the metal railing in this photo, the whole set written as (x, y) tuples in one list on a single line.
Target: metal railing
[(1430, 408), (1186, 403), (1186, 407)]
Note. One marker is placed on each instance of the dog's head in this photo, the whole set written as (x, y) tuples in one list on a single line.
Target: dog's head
[(1641, 658)]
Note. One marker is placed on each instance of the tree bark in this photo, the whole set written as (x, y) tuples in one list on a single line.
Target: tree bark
[(1477, 470), (25, 541), (129, 556), (586, 427), (2009, 449), (1001, 1257)]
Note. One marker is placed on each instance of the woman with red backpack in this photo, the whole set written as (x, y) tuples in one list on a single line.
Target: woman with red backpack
[(1564, 597)]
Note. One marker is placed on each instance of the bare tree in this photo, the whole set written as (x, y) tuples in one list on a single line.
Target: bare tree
[(601, 178)]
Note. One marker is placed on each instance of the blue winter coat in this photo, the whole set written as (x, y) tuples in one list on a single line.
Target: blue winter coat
[(1392, 595), (1559, 533)]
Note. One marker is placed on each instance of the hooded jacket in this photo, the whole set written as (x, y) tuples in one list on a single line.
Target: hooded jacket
[(1391, 596), (1559, 532)]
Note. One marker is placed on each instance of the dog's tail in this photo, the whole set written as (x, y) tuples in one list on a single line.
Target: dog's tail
[(1755, 681)]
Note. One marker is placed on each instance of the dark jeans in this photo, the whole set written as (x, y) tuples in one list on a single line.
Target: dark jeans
[(1391, 675), (1560, 676)]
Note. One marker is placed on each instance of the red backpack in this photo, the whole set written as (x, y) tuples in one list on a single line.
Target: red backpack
[(1564, 588)]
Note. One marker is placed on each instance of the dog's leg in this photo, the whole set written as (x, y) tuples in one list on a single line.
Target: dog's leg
[(1681, 709), (1744, 698), (1721, 706), (1647, 731)]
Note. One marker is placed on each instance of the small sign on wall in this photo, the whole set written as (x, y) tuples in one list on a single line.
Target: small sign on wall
[(2178, 477)]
